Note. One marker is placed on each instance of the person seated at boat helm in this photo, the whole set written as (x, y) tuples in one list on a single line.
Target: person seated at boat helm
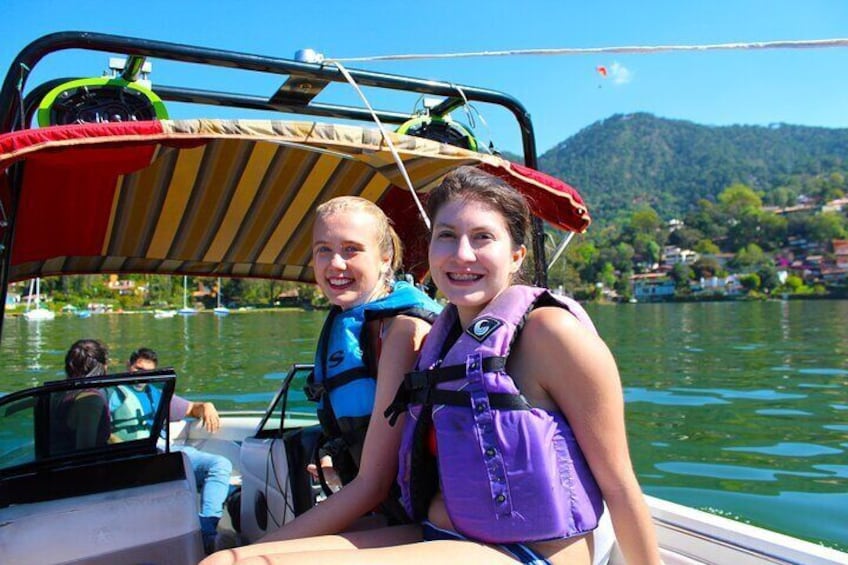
[(211, 471), (81, 419)]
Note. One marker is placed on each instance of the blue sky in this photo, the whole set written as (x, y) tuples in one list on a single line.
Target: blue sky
[(563, 94)]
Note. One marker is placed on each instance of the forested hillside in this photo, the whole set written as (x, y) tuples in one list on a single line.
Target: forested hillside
[(630, 161)]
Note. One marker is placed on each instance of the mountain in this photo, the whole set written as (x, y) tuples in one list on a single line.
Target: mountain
[(626, 161)]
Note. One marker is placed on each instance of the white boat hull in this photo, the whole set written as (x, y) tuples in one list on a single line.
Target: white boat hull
[(686, 535), (39, 314)]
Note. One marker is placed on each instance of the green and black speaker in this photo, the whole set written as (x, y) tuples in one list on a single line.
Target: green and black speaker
[(100, 99), (439, 129)]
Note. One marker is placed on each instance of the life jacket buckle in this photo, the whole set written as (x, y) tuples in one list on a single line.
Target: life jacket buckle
[(314, 391)]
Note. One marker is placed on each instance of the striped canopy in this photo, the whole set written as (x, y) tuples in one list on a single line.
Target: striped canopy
[(230, 198)]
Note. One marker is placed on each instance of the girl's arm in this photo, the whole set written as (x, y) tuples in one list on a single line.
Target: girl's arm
[(577, 370), (378, 465)]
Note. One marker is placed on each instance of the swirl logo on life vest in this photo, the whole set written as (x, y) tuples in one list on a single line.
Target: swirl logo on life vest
[(483, 328), (335, 358)]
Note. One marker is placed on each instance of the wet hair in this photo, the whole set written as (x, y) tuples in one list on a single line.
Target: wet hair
[(470, 184), (388, 240), (144, 353), (86, 358)]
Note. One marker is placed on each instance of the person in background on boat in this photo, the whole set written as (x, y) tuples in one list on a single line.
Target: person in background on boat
[(82, 416), (370, 338), (515, 432), (211, 471)]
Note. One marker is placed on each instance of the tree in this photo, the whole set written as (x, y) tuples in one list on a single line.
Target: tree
[(749, 257), (744, 227), (620, 255), (706, 267), (768, 277), (707, 247), (826, 226), (685, 237), (781, 197), (750, 282), (709, 219), (607, 275), (654, 251), (681, 273), (645, 220), (737, 198), (773, 230)]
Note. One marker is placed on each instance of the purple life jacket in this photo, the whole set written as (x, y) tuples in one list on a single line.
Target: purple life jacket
[(509, 472)]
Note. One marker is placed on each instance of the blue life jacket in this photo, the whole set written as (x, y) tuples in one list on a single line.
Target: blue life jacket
[(132, 411), (344, 380)]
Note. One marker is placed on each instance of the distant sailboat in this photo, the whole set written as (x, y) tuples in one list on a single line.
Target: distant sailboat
[(36, 313), (221, 310), (185, 310)]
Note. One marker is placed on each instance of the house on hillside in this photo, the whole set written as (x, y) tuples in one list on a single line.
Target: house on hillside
[(121, 286), (289, 297), (840, 253), (835, 205), (833, 275), (718, 286), (674, 224), (796, 210), (12, 301), (652, 287), (673, 255)]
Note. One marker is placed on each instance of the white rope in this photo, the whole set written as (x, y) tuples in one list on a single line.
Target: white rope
[(468, 107), (386, 138), (633, 49), (562, 245)]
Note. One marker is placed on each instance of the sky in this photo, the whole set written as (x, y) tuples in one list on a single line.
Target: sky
[(563, 94)]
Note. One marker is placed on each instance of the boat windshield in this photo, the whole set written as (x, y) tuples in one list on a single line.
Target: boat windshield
[(83, 419)]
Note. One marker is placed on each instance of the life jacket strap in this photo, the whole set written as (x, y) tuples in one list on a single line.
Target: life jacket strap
[(419, 387), (497, 400), (314, 391), (417, 380)]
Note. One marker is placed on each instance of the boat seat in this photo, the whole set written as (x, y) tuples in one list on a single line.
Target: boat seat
[(144, 511)]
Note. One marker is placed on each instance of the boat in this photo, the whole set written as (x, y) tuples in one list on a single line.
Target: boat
[(186, 310), (220, 309), (34, 311), (163, 314), (206, 197)]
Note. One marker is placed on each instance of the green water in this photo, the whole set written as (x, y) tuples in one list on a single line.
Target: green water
[(739, 408)]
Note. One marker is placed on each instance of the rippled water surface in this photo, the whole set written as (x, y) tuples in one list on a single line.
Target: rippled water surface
[(739, 408)]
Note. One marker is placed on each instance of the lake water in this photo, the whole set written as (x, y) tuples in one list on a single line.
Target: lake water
[(738, 408)]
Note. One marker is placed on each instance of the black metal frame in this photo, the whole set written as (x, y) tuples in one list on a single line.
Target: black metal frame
[(305, 81)]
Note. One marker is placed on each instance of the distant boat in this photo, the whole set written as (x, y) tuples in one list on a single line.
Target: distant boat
[(220, 310), (159, 314), (36, 313), (83, 313), (185, 310)]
